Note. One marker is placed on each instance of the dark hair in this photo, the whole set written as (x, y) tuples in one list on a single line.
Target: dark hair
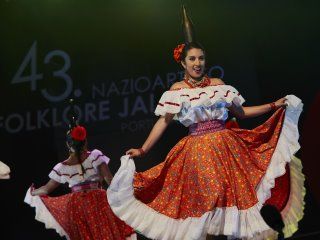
[(189, 46), (77, 146)]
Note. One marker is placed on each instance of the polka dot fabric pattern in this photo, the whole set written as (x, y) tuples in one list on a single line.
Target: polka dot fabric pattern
[(215, 183), (87, 216), (220, 169)]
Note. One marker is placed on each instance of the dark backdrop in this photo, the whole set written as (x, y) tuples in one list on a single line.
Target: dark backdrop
[(115, 58)]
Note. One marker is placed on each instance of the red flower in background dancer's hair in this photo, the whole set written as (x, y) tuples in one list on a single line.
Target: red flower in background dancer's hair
[(79, 133), (177, 52)]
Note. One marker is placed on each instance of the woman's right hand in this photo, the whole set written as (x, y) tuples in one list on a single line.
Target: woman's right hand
[(45, 189), (34, 191), (134, 152)]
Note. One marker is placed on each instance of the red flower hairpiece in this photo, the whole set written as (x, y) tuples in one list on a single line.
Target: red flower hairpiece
[(79, 133), (177, 52)]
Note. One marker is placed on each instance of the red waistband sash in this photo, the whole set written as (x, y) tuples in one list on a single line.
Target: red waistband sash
[(86, 186), (206, 127)]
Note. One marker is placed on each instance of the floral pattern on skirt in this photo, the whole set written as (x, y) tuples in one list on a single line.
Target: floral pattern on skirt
[(203, 172), (87, 216)]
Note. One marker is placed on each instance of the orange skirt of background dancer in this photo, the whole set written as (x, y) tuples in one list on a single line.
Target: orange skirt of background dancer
[(87, 215)]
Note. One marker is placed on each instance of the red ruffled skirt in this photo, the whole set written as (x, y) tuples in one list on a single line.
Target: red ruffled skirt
[(81, 215), (213, 183), (219, 169)]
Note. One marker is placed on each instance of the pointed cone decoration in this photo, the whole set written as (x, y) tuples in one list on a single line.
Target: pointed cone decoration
[(187, 27)]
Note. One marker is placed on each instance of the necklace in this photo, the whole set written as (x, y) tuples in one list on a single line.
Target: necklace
[(204, 82)]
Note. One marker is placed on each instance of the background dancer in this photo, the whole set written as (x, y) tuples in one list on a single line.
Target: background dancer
[(84, 213)]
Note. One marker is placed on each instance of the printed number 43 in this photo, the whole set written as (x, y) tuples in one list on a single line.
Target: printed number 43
[(31, 59)]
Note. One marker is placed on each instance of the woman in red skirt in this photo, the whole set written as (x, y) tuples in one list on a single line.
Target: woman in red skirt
[(215, 180), (85, 213)]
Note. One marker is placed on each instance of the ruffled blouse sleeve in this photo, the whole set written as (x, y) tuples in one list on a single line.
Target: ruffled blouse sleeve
[(98, 158), (57, 173), (173, 101), (170, 102)]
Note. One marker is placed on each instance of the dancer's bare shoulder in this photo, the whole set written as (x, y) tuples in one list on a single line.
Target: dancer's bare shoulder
[(179, 85), (216, 81)]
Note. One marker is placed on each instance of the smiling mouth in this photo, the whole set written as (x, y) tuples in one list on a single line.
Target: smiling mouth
[(197, 70)]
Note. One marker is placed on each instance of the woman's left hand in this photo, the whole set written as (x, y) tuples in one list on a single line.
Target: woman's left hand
[(281, 103)]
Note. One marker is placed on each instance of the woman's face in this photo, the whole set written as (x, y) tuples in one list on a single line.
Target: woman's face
[(194, 63)]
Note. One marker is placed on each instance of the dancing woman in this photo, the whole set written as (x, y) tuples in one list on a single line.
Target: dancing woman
[(215, 180), (84, 213)]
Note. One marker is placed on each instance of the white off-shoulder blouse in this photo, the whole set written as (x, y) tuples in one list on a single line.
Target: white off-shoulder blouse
[(72, 174), (194, 105)]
